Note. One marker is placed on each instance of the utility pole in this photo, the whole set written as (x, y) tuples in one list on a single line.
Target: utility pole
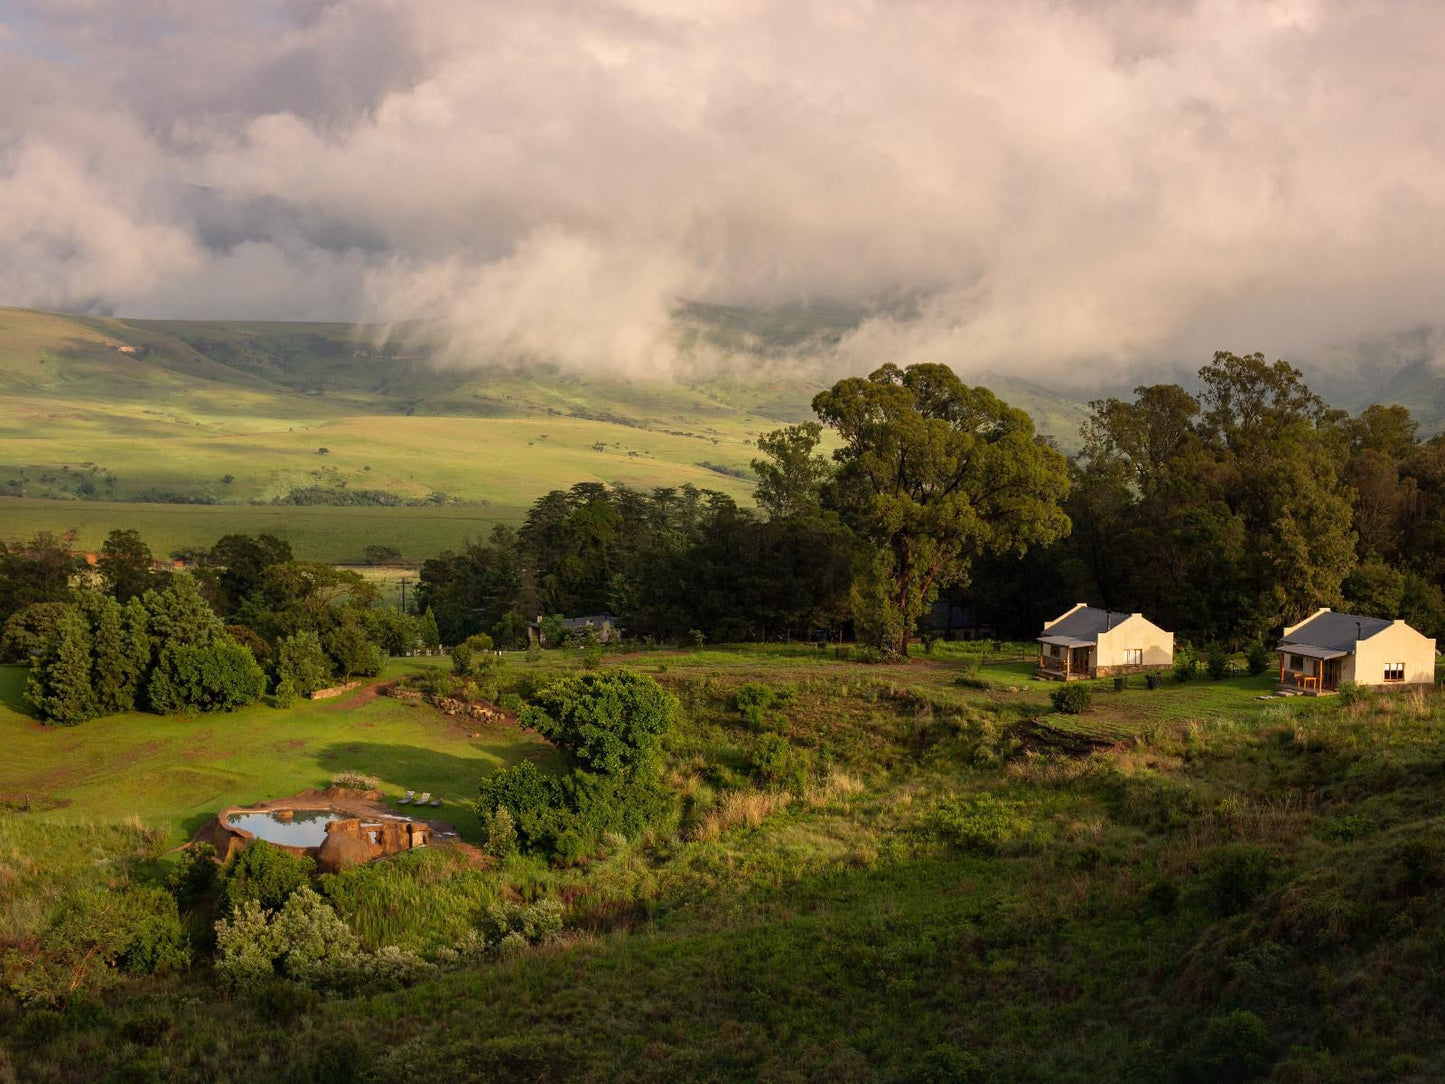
[(403, 594)]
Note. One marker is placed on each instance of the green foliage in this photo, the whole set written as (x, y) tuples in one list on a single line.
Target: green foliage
[(379, 554), (464, 1060), (181, 617), (792, 475), (499, 832), (1236, 875), (431, 638), (265, 875), (982, 823), (27, 631), (609, 722), (221, 676), (1258, 658), (1235, 1046), (1216, 662), (351, 650), (753, 700), (1071, 698), (302, 666), (1185, 659), (391, 630), (1352, 692), (125, 565), (60, 687), (779, 763), (194, 876), (935, 474)]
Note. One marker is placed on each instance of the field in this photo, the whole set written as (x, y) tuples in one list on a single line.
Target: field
[(942, 881), (237, 415), (173, 773)]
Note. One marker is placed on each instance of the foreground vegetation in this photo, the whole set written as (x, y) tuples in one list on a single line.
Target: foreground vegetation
[(865, 872)]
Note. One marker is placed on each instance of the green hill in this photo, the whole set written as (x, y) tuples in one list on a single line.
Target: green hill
[(211, 413)]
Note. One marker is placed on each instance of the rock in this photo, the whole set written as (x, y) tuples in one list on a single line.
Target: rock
[(342, 850)]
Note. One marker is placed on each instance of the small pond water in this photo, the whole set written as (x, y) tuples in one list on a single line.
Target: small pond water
[(301, 828)]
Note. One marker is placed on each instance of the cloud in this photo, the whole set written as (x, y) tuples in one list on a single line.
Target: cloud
[(1068, 191)]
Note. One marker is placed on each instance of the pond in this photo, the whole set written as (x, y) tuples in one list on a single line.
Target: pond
[(290, 828)]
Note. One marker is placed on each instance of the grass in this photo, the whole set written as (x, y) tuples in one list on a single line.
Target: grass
[(172, 773), (1085, 917)]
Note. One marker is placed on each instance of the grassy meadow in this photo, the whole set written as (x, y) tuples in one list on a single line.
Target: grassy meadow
[(113, 422), (935, 883)]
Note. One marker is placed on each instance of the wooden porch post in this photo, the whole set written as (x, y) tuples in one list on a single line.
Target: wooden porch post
[(1281, 667), (1068, 662)]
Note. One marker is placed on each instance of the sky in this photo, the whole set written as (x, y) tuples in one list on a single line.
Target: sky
[(1059, 190)]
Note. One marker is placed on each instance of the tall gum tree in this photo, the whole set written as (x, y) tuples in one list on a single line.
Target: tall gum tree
[(936, 474)]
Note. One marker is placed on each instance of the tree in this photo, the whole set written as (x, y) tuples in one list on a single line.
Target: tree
[(610, 722), (27, 631), (431, 638), (219, 676), (120, 657), (302, 664), (36, 571), (180, 615), (792, 475), (935, 474), (381, 555), (126, 565), (239, 563), (60, 686), (351, 651)]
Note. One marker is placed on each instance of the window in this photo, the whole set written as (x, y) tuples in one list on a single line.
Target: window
[(1055, 650), (1133, 656), (1394, 671), (1297, 662)]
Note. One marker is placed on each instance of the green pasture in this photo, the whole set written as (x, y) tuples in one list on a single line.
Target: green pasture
[(174, 772), (316, 532)]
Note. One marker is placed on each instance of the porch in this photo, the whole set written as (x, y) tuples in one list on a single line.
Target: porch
[(1062, 658), (1310, 671)]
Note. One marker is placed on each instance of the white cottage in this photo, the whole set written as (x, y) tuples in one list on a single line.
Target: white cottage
[(1328, 648)]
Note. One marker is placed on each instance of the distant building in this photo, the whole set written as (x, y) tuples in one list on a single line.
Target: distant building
[(605, 625), (1327, 648), (950, 621), (1087, 642)]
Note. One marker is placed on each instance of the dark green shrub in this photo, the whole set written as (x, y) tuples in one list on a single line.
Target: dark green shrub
[(265, 874), (948, 1064), (1071, 699), (1184, 662), (1235, 1047), (302, 666), (778, 762), (1163, 897), (149, 1027), (511, 702), (1258, 658), (610, 722), (753, 701), (1216, 663), (1236, 875), (1353, 693), (221, 676), (982, 823), (194, 875)]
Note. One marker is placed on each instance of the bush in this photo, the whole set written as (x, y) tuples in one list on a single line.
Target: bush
[(610, 722), (511, 702), (778, 762), (1216, 663), (499, 832), (194, 875), (1184, 661), (355, 781), (302, 666), (222, 676), (982, 824), (1234, 1047), (1351, 692), (264, 874), (1258, 658), (1071, 699), (1236, 875), (753, 700)]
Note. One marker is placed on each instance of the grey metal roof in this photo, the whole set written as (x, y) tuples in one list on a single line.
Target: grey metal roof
[(1085, 624), (1336, 632), (1312, 652), (1064, 641)]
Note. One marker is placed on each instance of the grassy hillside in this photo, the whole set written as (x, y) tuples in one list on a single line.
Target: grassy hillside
[(1190, 884), (237, 414)]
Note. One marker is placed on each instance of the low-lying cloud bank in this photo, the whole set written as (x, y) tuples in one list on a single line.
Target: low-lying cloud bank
[(1071, 191)]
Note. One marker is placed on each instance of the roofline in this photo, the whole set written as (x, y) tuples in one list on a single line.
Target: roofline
[(1291, 628), (1075, 608)]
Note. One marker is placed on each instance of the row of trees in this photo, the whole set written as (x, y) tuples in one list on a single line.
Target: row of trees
[(132, 634), (1224, 514)]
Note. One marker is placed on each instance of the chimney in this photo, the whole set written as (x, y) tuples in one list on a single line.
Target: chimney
[(1359, 632)]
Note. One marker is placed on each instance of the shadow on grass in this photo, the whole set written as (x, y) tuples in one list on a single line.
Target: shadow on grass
[(12, 690)]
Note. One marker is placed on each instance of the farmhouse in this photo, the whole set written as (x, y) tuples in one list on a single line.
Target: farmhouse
[(604, 625), (1327, 648), (1087, 642)]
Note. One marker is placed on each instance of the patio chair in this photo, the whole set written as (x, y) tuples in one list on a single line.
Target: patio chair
[(435, 802), (423, 799), (407, 799)]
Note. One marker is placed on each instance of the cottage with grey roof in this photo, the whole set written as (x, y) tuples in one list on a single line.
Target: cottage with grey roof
[(1087, 642), (1327, 649)]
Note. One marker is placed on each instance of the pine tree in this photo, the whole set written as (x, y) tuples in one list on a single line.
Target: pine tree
[(115, 676), (60, 684), (431, 637)]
